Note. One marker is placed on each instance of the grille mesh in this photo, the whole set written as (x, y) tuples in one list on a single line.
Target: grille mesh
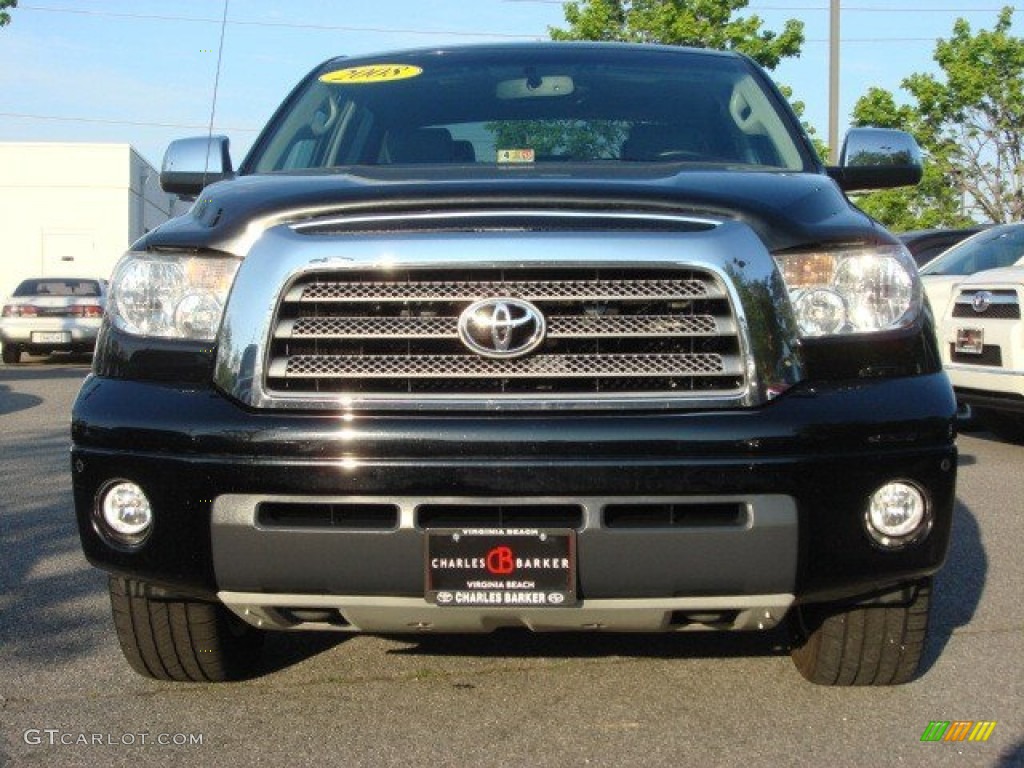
[(532, 290), (609, 331), (447, 327), (1002, 305), (536, 366), (994, 311)]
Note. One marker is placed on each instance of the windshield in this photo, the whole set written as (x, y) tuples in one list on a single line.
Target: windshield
[(531, 105), (58, 287), (998, 247)]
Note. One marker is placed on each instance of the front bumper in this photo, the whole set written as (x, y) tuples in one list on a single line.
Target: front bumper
[(996, 393), (994, 379), (78, 333), (803, 466), (999, 389)]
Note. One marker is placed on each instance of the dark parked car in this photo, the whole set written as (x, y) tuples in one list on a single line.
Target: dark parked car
[(52, 314), (559, 336), (925, 244)]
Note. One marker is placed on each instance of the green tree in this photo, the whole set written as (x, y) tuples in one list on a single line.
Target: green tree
[(570, 139), (935, 202), (5, 17), (698, 23), (970, 123)]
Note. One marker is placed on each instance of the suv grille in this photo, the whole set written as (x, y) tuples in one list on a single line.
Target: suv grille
[(608, 331), (997, 305)]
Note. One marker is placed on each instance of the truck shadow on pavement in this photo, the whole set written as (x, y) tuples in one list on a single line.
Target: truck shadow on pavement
[(1013, 757), (12, 402), (282, 650), (53, 602), (958, 586)]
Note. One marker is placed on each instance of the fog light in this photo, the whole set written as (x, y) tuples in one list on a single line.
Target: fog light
[(898, 515), (122, 513)]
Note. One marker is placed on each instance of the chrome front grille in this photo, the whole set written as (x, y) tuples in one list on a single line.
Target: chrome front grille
[(609, 330)]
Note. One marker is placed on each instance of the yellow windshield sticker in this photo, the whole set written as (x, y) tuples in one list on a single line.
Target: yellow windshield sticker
[(374, 73), (515, 156)]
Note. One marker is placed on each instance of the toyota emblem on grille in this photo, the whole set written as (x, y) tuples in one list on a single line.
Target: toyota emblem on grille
[(981, 302), (502, 327)]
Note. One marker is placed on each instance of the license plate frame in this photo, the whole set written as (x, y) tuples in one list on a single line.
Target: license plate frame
[(500, 568), (50, 337), (970, 341)]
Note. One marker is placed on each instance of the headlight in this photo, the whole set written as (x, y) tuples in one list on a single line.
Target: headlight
[(855, 290), (173, 296)]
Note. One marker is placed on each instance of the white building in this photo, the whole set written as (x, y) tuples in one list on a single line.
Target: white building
[(72, 209)]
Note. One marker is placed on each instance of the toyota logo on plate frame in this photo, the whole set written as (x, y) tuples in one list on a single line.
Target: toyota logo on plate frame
[(502, 327)]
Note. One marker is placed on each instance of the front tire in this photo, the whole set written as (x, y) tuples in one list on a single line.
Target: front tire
[(863, 645), (181, 639), (11, 354)]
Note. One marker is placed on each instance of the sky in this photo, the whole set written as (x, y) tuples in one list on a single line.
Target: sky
[(144, 72)]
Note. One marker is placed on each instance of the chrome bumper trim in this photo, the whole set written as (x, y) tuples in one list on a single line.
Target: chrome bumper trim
[(416, 615)]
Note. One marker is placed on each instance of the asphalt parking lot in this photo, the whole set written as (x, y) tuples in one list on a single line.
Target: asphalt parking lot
[(67, 697)]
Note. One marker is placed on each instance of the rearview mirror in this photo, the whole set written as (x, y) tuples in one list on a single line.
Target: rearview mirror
[(192, 164), (878, 158), (534, 87)]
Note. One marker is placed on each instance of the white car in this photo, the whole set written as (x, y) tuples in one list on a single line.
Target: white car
[(981, 333), (999, 246), (50, 314)]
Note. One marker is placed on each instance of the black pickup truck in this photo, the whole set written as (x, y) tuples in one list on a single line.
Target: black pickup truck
[(572, 337)]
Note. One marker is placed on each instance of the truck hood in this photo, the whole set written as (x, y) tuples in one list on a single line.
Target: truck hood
[(1013, 276), (786, 210)]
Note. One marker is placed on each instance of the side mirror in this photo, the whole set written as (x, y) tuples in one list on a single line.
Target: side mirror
[(877, 158), (191, 164)]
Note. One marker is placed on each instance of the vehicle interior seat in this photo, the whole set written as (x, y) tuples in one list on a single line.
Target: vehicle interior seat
[(419, 145), (463, 152), (658, 141)]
